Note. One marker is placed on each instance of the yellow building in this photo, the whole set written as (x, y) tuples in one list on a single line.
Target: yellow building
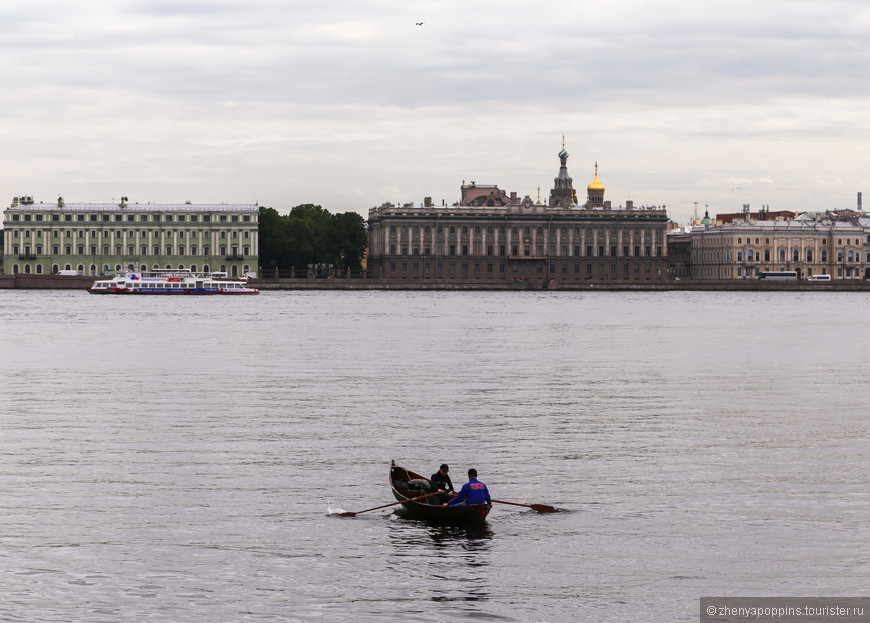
[(809, 245)]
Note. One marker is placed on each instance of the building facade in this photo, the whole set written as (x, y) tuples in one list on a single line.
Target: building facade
[(491, 236), (809, 245), (101, 238)]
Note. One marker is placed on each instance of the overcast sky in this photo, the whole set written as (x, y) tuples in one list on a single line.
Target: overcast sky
[(349, 104)]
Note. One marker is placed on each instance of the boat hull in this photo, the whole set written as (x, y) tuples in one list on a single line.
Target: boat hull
[(169, 292), (422, 509)]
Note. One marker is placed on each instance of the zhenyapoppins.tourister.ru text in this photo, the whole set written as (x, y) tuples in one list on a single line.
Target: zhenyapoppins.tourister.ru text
[(785, 609)]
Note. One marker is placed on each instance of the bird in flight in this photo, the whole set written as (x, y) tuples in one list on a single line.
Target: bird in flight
[(420, 23)]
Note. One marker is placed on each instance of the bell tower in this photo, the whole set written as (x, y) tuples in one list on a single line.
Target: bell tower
[(563, 194)]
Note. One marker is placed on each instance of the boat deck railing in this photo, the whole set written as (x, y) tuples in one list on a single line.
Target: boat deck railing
[(182, 273)]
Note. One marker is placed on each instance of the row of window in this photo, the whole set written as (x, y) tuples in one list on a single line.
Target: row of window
[(397, 267), (824, 241), (37, 269), (79, 233), (142, 218), (526, 250), (527, 230), (756, 256), (118, 250), (601, 235)]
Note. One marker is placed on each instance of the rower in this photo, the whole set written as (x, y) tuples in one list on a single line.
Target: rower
[(441, 483), (472, 492)]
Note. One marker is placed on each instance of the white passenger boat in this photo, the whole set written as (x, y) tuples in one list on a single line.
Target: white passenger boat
[(171, 281)]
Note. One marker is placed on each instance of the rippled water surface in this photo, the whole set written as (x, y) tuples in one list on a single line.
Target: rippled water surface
[(176, 459)]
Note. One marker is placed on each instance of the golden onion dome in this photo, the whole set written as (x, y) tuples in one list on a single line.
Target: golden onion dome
[(596, 184)]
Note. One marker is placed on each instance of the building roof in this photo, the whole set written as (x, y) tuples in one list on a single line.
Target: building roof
[(134, 207), (795, 225)]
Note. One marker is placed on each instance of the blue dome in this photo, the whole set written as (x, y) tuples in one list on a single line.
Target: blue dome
[(563, 154)]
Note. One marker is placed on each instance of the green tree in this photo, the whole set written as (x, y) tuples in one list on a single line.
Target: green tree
[(273, 238), (347, 240), (311, 235)]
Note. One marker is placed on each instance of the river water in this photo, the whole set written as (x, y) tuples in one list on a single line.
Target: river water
[(177, 459)]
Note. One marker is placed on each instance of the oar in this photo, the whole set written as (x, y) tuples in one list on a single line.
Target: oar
[(352, 514), (541, 508)]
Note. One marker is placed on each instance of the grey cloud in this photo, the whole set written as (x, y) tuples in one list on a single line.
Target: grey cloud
[(195, 89), (266, 51)]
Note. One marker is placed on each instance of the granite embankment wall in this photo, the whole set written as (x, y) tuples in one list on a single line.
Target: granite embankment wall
[(725, 286), (45, 282), (55, 282)]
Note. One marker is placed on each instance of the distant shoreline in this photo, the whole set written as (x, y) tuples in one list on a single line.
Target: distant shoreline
[(55, 282)]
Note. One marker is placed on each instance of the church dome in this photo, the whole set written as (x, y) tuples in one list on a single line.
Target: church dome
[(563, 154), (596, 184)]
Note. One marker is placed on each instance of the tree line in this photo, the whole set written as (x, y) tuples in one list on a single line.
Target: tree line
[(311, 235)]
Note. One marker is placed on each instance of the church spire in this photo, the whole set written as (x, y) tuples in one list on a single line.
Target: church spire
[(563, 194)]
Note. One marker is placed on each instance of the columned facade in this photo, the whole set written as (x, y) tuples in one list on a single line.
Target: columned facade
[(99, 239), (490, 237), (808, 246)]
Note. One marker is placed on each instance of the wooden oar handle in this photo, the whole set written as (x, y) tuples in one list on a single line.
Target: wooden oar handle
[(514, 503), (541, 508), (351, 514)]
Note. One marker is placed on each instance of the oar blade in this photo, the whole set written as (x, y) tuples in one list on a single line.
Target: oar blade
[(543, 508), (346, 514)]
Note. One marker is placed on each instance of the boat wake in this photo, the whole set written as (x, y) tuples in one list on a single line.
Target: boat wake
[(334, 510)]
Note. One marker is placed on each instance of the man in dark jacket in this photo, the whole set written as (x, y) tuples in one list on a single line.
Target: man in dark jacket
[(472, 492), (440, 482)]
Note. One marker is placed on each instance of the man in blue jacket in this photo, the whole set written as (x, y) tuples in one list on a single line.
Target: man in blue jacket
[(472, 492)]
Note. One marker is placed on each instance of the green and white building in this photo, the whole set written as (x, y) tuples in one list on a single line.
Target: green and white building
[(105, 238)]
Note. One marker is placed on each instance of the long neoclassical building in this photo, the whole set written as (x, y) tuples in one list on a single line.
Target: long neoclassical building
[(492, 237), (100, 238), (809, 244)]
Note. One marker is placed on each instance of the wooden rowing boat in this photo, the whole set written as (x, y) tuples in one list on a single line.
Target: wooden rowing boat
[(406, 485)]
